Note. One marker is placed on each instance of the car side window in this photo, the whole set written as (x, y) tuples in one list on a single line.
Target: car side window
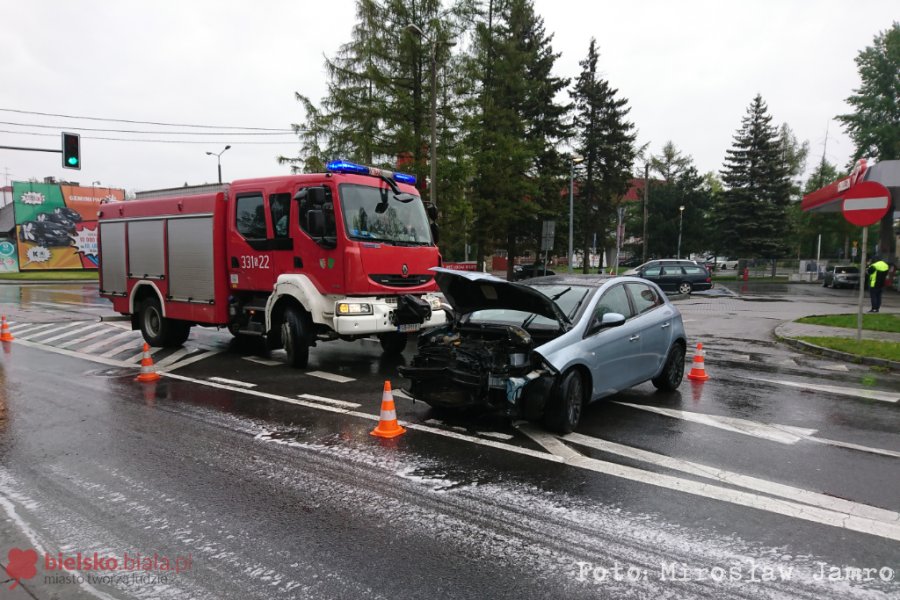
[(250, 217), (671, 270), (614, 300), (694, 270), (651, 272), (644, 297)]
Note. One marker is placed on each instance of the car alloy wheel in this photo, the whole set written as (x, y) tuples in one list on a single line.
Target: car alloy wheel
[(685, 288)]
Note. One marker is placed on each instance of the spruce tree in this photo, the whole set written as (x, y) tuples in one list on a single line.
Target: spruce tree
[(605, 140), (757, 188)]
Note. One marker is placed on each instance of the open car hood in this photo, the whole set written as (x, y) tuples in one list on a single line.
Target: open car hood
[(469, 291)]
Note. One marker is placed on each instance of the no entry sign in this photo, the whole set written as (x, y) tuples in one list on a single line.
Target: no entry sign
[(866, 203)]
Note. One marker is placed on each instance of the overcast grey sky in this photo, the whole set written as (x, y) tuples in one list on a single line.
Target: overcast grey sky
[(689, 70)]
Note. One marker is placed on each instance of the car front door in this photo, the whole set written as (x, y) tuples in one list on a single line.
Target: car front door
[(611, 352)]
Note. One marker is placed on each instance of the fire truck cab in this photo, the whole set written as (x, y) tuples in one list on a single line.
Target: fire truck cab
[(295, 259)]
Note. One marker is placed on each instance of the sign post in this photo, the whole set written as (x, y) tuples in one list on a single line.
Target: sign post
[(865, 204)]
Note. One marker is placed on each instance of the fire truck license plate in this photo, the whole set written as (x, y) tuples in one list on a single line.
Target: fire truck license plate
[(409, 327)]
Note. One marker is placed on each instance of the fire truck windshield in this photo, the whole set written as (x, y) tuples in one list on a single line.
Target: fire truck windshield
[(374, 214)]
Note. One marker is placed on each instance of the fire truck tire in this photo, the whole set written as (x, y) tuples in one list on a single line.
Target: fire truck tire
[(295, 338), (159, 331), (393, 343)]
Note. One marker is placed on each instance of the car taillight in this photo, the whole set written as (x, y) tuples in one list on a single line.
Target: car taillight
[(709, 280)]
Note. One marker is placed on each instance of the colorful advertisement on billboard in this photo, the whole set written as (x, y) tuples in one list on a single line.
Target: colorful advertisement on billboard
[(9, 257), (56, 225)]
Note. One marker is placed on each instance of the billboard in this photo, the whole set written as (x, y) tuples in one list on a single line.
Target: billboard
[(56, 225)]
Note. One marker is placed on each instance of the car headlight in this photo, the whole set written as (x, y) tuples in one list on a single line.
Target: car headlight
[(354, 308)]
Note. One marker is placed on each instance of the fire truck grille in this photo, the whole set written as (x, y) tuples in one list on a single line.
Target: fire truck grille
[(400, 281)]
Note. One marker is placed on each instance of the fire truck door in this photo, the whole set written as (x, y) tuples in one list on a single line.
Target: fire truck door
[(250, 244)]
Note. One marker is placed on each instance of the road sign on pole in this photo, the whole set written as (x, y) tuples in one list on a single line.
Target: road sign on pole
[(866, 203)]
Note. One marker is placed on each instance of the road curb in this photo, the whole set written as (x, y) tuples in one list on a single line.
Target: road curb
[(48, 281), (821, 351)]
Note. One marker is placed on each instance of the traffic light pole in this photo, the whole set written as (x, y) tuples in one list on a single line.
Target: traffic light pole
[(30, 149)]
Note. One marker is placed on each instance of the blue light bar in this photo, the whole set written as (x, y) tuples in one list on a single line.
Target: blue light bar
[(343, 166)]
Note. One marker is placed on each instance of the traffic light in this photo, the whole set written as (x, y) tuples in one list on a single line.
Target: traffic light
[(71, 151)]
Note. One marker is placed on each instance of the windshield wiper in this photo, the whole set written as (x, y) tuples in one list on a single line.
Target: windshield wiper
[(561, 294)]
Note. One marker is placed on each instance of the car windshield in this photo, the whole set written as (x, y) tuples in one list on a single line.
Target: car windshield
[(569, 299), (374, 214)]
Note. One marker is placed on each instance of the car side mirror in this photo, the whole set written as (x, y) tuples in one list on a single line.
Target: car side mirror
[(606, 321)]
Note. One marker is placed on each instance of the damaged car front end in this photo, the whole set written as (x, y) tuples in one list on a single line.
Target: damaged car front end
[(490, 353)]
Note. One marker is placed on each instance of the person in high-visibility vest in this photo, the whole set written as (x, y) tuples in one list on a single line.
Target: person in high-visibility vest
[(876, 274)]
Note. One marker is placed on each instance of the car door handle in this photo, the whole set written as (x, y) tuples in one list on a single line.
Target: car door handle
[(634, 337), (664, 325)]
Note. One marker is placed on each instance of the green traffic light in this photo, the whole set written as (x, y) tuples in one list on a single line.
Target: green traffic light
[(73, 161)]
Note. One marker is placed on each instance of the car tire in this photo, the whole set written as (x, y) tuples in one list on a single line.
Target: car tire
[(672, 372), (295, 338), (563, 411), (825, 284), (685, 287), (158, 331), (393, 343)]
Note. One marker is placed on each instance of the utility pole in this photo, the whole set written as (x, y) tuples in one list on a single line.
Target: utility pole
[(646, 201)]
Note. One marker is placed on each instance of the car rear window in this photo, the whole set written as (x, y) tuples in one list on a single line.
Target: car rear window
[(694, 270), (846, 270)]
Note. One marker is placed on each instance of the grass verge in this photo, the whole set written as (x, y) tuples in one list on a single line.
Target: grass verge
[(874, 322), (870, 348), (51, 275)]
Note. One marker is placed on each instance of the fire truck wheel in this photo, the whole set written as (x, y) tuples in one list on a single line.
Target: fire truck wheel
[(295, 338), (393, 343), (159, 331)]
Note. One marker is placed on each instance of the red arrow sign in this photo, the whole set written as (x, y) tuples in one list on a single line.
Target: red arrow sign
[(866, 203)]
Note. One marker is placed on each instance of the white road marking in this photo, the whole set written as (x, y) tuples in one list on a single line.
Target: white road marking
[(548, 441), (844, 391), (70, 333), (122, 325), (140, 355), (851, 446), (108, 341), (842, 368), (242, 384), (126, 346), (89, 357), (31, 328), (32, 335), (193, 359), (784, 434), (331, 376), (788, 362), (331, 401), (745, 481), (173, 358), (496, 435), (95, 333), (263, 361)]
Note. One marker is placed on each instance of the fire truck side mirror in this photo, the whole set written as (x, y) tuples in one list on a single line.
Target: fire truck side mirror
[(432, 212), (435, 233)]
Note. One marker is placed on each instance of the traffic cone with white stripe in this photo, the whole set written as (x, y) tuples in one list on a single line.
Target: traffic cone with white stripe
[(387, 425), (5, 335), (148, 371), (698, 371)]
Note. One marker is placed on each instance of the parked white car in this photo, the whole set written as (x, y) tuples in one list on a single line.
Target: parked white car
[(726, 263)]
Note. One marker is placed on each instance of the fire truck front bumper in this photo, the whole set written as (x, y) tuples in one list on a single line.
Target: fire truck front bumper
[(366, 316)]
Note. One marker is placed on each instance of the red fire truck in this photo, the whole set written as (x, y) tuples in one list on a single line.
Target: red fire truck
[(296, 259)]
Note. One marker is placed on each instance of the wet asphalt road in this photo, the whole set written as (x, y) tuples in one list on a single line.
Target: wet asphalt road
[(744, 486)]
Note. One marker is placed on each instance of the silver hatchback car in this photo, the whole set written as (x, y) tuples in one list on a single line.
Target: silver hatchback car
[(544, 348)]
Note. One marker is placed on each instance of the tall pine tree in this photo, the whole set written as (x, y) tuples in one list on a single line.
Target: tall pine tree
[(757, 188), (605, 139)]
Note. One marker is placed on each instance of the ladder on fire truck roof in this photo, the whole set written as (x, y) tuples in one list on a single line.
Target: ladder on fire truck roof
[(188, 190)]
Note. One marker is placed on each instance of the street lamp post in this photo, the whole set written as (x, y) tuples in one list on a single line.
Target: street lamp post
[(94, 185), (219, 160), (574, 161), (680, 219)]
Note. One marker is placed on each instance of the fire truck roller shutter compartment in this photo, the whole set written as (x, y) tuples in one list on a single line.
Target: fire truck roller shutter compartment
[(191, 269), (112, 240), (146, 259)]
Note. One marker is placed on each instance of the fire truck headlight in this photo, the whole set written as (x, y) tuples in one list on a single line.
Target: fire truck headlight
[(435, 303), (348, 308)]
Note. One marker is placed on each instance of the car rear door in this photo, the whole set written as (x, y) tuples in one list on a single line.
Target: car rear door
[(669, 278), (653, 322)]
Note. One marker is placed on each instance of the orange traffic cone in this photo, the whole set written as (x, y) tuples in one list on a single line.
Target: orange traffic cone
[(148, 371), (698, 371), (388, 426), (5, 335)]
